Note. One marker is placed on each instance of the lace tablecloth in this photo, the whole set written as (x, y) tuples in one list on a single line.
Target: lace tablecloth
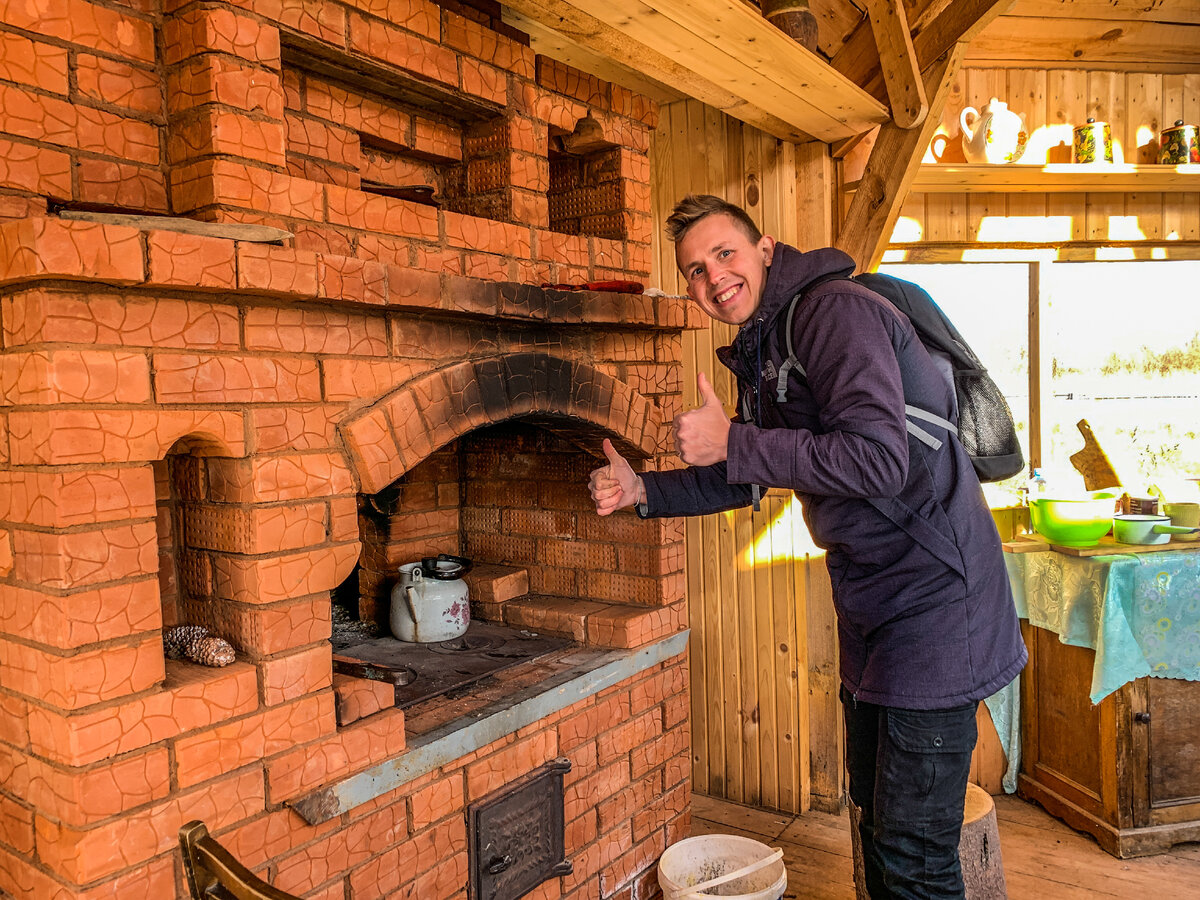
[(1139, 612)]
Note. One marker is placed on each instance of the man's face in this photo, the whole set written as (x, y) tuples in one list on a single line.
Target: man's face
[(724, 269)]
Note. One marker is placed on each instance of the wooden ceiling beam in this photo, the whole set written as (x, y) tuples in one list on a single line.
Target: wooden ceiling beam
[(898, 61), (945, 24), (1179, 12), (721, 52), (891, 168), (1089, 43)]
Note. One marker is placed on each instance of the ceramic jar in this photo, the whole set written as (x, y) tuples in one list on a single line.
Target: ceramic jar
[(1092, 143), (994, 135), (1179, 145)]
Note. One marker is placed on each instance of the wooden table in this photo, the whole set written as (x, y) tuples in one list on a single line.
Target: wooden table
[(1126, 769)]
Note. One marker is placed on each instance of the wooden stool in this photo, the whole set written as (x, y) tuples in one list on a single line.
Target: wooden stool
[(978, 848)]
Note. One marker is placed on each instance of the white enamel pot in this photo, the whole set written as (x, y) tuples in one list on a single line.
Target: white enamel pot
[(1146, 529)]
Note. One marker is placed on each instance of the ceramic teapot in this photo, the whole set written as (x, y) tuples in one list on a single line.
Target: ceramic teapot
[(429, 602), (997, 136)]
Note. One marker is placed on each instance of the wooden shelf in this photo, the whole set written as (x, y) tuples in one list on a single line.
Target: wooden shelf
[(1055, 178), (721, 52)]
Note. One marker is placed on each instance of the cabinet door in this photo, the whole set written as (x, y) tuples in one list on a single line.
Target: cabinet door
[(1173, 749)]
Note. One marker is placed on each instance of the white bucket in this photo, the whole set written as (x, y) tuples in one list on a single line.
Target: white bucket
[(697, 860)]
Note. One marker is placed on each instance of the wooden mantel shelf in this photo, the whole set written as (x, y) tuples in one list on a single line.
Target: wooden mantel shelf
[(1056, 178), (721, 52)]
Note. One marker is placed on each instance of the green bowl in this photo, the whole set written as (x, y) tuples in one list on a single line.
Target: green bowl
[(1073, 522)]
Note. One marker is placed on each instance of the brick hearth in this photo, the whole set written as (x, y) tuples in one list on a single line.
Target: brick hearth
[(233, 323)]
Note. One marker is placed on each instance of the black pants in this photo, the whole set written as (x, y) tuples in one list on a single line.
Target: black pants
[(908, 774)]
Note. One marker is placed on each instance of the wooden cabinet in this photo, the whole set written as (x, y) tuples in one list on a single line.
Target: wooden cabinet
[(1126, 770)]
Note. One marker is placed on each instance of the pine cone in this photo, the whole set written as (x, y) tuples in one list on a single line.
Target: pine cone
[(177, 640), (211, 651)]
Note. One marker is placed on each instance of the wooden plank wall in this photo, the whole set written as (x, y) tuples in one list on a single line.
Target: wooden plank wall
[(1137, 106), (749, 575)]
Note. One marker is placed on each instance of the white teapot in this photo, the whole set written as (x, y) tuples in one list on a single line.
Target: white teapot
[(998, 136)]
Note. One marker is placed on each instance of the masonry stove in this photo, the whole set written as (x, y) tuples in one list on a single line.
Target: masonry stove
[(421, 671)]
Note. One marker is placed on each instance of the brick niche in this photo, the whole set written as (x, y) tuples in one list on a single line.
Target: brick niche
[(207, 420)]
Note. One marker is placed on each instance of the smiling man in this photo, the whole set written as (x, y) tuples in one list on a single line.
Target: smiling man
[(926, 624)]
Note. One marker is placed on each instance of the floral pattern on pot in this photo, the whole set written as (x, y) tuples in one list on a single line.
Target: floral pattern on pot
[(1092, 142), (1180, 145)]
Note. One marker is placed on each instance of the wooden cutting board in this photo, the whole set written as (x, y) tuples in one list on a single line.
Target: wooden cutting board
[(1032, 543)]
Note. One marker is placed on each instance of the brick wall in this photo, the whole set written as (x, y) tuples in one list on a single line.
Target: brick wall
[(201, 426)]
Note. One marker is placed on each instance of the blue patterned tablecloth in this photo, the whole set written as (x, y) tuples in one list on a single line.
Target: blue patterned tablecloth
[(1140, 612)]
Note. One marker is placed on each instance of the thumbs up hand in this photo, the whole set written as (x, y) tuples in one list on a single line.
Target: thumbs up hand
[(615, 485), (702, 434)]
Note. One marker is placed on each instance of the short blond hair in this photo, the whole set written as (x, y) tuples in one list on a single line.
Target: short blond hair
[(694, 207)]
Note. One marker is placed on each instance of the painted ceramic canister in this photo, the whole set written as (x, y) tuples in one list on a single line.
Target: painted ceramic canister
[(1093, 143), (1180, 145)]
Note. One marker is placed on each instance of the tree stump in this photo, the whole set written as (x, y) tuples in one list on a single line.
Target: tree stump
[(978, 849)]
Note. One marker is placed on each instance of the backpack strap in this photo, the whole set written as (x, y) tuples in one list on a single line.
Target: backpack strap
[(910, 412)]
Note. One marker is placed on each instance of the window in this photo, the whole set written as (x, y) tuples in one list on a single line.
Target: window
[(1118, 345)]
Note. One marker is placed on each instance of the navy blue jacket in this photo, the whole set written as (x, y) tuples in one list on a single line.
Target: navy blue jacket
[(925, 613)]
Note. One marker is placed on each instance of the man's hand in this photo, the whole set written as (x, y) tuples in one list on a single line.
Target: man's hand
[(616, 485), (702, 434)]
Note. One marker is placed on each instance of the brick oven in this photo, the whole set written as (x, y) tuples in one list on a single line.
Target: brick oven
[(275, 320)]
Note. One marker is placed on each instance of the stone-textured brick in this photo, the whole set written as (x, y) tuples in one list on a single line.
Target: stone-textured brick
[(72, 682), (37, 169), (192, 697), (192, 260), (294, 675), (83, 855)]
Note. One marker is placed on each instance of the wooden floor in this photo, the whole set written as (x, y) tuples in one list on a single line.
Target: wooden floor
[(1043, 858)]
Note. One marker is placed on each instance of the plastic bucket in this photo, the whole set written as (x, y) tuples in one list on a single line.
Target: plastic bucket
[(696, 860)]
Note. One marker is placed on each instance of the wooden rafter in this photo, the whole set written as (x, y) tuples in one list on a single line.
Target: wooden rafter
[(898, 61), (891, 167), (943, 26)]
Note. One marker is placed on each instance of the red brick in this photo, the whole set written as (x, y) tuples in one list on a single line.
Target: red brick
[(192, 260), (71, 682), (352, 749), (230, 82), (620, 808), (55, 121), (419, 16), (83, 855), (371, 212), (627, 735), (30, 168), (229, 746), (391, 45), (74, 559), (358, 698), (84, 436), (21, 879), (295, 427), (288, 677), (105, 318), (114, 183), (222, 31), (190, 378), (192, 697), (84, 797), (119, 83), (33, 63), (592, 720), (72, 249), (277, 270), (49, 377), (210, 132), (315, 330), (496, 770), (285, 576), (437, 801), (72, 620)]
